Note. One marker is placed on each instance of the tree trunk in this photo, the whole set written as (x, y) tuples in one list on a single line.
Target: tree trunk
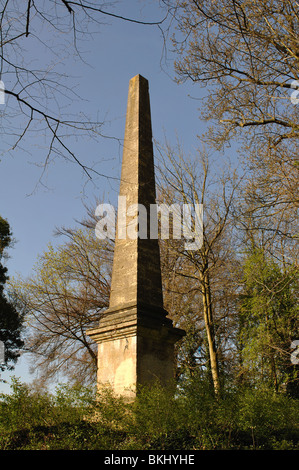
[(209, 324)]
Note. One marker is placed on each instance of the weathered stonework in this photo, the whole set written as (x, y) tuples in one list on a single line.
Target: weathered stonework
[(135, 338)]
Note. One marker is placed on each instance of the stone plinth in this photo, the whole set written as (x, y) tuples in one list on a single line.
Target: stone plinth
[(135, 347)]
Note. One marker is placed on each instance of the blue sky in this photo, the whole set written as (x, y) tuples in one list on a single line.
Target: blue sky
[(118, 52)]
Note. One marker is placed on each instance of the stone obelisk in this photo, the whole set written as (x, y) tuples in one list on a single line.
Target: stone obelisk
[(135, 338)]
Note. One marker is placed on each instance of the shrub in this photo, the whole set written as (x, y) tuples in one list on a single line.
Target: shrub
[(188, 418)]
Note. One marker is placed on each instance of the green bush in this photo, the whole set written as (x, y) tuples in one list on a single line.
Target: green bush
[(67, 419), (189, 419)]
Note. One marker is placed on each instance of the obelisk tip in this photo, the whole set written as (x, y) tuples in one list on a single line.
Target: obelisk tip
[(139, 78)]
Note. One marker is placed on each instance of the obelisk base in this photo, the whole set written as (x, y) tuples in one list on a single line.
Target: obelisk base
[(135, 349)]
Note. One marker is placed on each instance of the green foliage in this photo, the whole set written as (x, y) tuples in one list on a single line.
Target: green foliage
[(66, 419), (268, 322), (271, 418), (5, 240), (159, 419), (11, 315)]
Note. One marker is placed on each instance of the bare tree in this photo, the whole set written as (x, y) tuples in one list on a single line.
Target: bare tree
[(213, 267), (64, 297), (34, 91), (246, 55), (249, 51)]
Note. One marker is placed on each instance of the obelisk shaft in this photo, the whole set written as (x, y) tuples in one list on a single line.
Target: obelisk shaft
[(136, 276)]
